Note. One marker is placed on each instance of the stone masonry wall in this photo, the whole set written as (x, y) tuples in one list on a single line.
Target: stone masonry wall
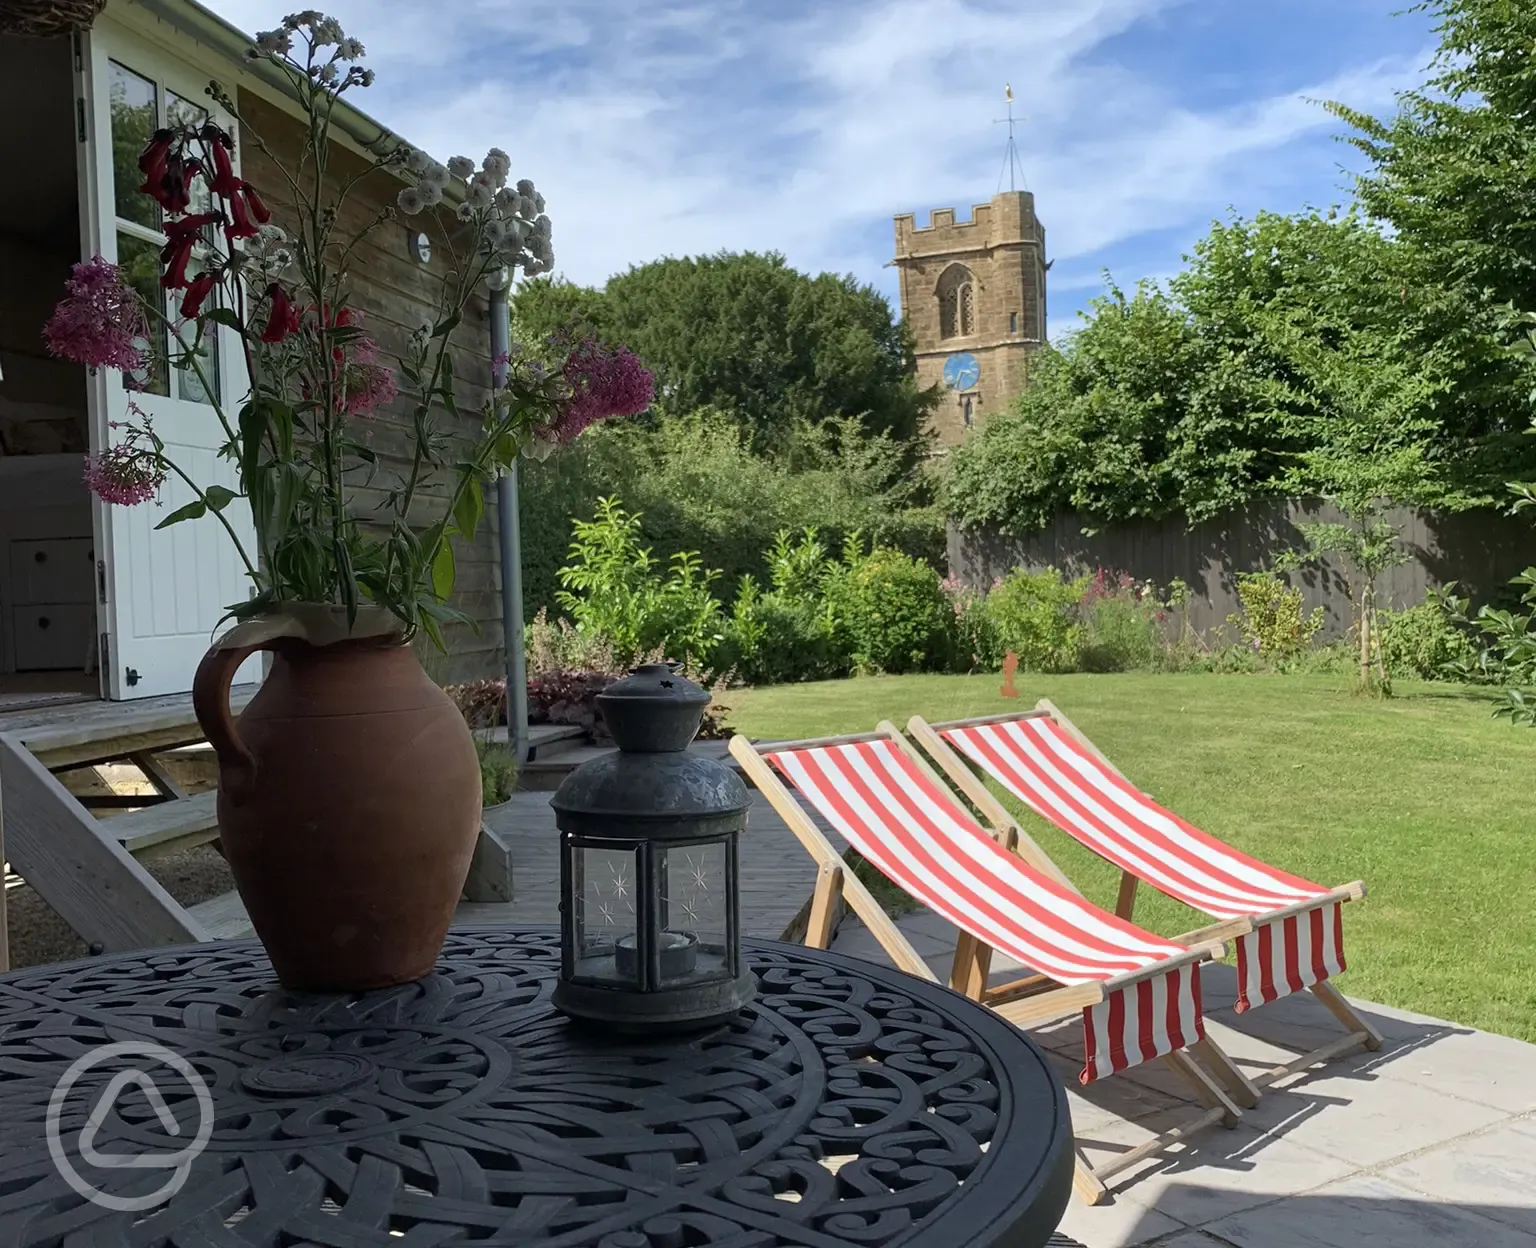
[(1003, 245)]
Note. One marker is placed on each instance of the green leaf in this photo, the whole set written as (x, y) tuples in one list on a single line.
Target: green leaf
[(443, 571), (219, 498), (444, 328), (429, 627), (469, 509), (346, 577), (194, 510), (225, 316), (253, 428)]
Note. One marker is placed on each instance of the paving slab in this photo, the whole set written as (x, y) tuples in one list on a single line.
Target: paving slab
[(1117, 1225), (1430, 1141), (1494, 1172), (1367, 1212), (1366, 1120), (1216, 1174), (1474, 1065)]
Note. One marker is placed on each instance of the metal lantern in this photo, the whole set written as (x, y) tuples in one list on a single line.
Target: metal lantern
[(650, 923)]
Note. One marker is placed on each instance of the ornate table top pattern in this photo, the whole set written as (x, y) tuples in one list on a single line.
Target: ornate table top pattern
[(851, 1105)]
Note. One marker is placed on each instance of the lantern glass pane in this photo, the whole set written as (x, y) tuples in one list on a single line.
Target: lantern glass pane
[(605, 919), (693, 881)]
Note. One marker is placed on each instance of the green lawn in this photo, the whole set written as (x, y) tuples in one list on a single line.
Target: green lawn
[(1424, 797)]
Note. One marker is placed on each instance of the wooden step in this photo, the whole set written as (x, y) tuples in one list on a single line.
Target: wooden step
[(224, 917), (166, 826), (76, 736)]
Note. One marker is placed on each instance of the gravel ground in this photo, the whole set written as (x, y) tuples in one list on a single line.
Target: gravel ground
[(38, 935)]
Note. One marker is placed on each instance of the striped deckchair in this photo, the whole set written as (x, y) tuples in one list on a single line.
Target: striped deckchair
[(1287, 931), (1138, 995)]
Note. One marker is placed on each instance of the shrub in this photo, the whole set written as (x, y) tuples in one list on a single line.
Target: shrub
[(699, 486), (786, 633), (1424, 641), (976, 642), (772, 638), (1122, 624), (562, 647), (1272, 620), (1506, 651), (615, 592), (1033, 615), (891, 612), (498, 772), (483, 703)]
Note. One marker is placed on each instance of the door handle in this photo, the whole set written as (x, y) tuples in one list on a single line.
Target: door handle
[(43, 621)]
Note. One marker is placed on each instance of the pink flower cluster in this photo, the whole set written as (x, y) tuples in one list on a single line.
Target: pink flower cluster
[(130, 472), (369, 384), (1106, 584), (99, 322), (603, 383)]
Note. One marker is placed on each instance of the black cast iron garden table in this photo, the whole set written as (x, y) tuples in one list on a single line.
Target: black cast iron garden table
[(850, 1105)]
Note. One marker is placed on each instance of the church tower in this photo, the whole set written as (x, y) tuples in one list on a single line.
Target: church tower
[(973, 294)]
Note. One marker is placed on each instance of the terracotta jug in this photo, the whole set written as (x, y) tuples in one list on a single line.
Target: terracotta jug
[(349, 805)]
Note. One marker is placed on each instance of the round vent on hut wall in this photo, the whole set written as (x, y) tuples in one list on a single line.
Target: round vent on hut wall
[(42, 18)]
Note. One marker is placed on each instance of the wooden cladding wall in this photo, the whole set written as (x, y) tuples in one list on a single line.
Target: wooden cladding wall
[(1479, 550), (396, 294)]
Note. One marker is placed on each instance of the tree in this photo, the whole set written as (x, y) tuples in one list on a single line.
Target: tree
[(747, 334), (1455, 170), (1286, 341), (1135, 415)]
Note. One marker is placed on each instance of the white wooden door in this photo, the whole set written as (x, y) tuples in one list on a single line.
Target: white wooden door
[(160, 593)]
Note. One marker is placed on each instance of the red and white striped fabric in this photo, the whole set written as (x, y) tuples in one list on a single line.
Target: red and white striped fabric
[(1063, 781), (910, 829), (1288, 955)]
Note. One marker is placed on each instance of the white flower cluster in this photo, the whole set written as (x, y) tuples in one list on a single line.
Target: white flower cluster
[(511, 219), (319, 32), (266, 257)]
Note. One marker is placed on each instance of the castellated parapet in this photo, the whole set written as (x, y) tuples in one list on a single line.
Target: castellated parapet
[(973, 294)]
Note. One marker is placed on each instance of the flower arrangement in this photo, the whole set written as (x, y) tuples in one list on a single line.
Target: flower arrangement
[(300, 440)]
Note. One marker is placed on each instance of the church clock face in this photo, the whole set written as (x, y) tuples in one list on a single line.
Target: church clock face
[(961, 371)]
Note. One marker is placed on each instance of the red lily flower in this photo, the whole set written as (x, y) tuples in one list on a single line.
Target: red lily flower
[(190, 225), (254, 202), (181, 235), (176, 257), (224, 183), (201, 287), (282, 316), (174, 191), (241, 225), (152, 161)]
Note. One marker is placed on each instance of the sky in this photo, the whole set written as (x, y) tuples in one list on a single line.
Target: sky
[(681, 127)]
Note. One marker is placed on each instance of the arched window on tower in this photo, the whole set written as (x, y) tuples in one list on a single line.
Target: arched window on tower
[(957, 302)]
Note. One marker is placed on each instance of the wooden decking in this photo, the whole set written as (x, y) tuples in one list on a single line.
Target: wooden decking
[(777, 875), (90, 869)]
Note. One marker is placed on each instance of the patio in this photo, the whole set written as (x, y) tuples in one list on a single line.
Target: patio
[(1429, 1142)]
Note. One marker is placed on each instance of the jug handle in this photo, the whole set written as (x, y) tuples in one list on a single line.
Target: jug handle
[(210, 703)]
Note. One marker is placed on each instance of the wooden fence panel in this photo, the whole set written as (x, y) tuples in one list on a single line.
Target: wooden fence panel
[(1479, 550)]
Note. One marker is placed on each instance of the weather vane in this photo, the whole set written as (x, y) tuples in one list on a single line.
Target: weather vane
[(1011, 164)]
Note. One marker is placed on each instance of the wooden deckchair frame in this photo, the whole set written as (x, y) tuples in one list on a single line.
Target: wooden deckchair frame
[(1359, 1032), (1028, 1002)]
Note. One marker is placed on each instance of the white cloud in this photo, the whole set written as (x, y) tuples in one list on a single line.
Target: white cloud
[(684, 127)]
